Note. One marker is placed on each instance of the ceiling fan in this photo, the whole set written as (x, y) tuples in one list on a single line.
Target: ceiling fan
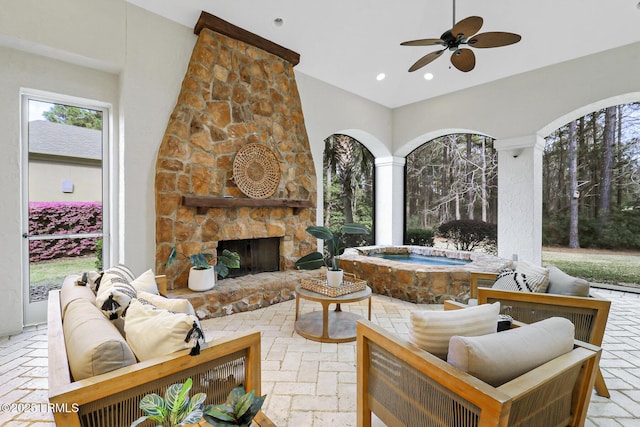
[(462, 33)]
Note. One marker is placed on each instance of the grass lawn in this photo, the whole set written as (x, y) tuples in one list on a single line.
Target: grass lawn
[(620, 268), (48, 273)]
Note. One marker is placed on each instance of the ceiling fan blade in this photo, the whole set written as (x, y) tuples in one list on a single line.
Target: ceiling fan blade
[(463, 59), (426, 59), (467, 27), (493, 39), (422, 42)]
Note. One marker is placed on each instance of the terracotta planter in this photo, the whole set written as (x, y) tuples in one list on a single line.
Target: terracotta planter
[(202, 280), (334, 278)]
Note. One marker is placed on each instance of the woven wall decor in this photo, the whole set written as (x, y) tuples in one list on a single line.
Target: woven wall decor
[(256, 171)]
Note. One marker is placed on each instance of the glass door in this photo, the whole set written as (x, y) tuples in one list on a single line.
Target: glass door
[(63, 187)]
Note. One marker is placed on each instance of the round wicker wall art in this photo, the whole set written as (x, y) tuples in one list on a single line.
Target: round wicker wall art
[(256, 171)]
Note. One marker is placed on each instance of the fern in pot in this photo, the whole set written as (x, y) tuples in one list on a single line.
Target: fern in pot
[(333, 248)]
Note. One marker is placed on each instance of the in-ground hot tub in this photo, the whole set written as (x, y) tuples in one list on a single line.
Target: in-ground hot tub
[(440, 274)]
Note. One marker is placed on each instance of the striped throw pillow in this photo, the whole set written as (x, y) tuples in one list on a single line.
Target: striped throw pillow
[(525, 278), (431, 330), (115, 292)]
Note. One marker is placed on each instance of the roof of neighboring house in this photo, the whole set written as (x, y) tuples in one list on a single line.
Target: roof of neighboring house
[(64, 140)]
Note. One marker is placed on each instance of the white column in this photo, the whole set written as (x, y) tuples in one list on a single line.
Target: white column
[(389, 215), (520, 198)]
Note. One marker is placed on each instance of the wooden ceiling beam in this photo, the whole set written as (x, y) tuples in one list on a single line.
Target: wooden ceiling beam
[(221, 26)]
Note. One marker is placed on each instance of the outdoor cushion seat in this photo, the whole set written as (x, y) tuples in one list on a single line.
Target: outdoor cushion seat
[(405, 385), (588, 314)]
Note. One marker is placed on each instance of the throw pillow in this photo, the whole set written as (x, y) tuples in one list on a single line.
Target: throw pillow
[(431, 330), (177, 305), (537, 277), (153, 332), (115, 292), (120, 273), (563, 284), (146, 282), (94, 345), (499, 358), (525, 278), (510, 280)]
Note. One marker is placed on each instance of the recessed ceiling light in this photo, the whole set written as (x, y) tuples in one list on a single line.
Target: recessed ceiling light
[(380, 76), (278, 22), (428, 76)]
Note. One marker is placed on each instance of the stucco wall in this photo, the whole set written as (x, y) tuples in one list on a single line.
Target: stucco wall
[(23, 70), (45, 182)]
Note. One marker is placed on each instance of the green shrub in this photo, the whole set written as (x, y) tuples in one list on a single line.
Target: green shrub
[(467, 234), (420, 237), (99, 255)]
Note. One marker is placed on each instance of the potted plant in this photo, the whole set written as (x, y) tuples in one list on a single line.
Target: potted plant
[(202, 275), (177, 408), (333, 248)]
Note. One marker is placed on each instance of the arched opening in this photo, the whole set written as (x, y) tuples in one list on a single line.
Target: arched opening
[(450, 177), (348, 186), (591, 180)]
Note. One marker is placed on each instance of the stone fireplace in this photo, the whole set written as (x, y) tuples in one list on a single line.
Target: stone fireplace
[(233, 94)]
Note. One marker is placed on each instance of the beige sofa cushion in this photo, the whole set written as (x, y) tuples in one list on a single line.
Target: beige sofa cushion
[(70, 291), (178, 305), (146, 282), (94, 345), (153, 332), (431, 330), (501, 357), (561, 283)]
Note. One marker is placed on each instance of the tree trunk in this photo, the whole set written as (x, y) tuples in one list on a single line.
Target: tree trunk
[(619, 150), (574, 241), (607, 166), (484, 179), (444, 186), (469, 175)]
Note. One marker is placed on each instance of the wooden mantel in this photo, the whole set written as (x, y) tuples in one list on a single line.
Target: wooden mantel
[(204, 202), (221, 26)]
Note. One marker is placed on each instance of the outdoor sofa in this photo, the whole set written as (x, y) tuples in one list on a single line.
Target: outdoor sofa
[(112, 398)]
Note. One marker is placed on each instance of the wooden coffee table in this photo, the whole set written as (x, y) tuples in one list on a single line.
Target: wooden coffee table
[(329, 326)]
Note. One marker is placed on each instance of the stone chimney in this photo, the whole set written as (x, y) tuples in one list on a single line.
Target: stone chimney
[(233, 94)]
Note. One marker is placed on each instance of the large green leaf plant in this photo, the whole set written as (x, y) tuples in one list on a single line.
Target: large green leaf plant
[(177, 409), (333, 246)]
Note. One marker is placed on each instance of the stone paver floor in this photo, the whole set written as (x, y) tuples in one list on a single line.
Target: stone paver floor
[(311, 384)]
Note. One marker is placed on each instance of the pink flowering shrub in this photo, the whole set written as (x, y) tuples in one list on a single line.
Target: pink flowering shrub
[(52, 218)]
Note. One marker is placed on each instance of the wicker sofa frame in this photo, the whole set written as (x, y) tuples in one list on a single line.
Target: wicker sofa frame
[(406, 386), (588, 314), (112, 399)]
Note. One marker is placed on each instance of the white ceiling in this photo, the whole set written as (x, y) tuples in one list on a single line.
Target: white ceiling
[(347, 43)]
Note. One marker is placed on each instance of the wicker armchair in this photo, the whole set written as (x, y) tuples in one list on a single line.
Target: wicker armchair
[(406, 386), (589, 315)]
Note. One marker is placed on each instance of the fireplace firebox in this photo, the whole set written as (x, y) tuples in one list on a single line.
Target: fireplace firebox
[(256, 255)]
